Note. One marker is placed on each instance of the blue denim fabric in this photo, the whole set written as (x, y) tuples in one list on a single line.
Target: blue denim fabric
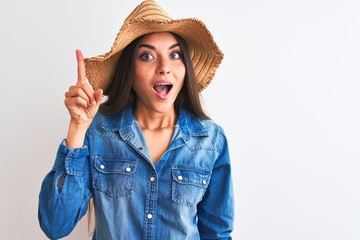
[(187, 194)]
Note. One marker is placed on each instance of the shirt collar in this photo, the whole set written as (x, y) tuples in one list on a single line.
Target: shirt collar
[(188, 123)]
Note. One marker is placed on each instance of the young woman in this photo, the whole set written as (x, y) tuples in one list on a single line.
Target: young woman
[(153, 164)]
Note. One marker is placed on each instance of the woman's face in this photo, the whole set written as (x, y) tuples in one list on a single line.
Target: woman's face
[(159, 72)]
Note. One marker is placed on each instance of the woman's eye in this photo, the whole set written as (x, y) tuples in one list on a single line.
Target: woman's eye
[(176, 55), (146, 57)]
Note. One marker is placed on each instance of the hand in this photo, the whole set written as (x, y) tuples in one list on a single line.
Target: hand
[(81, 100)]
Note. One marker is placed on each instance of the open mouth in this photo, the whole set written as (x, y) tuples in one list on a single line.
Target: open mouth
[(162, 88)]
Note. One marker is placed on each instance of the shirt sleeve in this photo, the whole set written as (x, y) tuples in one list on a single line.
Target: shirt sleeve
[(65, 192), (216, 210)]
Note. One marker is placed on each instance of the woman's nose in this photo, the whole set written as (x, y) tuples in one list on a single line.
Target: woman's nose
[(163, 66)]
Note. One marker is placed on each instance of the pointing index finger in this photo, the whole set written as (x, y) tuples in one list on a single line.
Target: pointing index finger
[(81, 67)]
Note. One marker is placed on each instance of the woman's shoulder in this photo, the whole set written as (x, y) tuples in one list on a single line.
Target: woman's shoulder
[(99, 119), (209, 125), (105, 121), (214, 129)]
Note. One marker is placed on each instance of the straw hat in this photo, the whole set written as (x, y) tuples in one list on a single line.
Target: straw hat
[(149, 17)]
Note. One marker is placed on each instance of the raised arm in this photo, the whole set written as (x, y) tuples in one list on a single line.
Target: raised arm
[(65, 191), (82, 103)]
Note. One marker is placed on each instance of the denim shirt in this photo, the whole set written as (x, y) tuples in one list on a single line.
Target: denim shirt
[(187, 194)]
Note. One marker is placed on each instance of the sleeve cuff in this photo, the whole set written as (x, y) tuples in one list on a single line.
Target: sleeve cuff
[(71, 160)]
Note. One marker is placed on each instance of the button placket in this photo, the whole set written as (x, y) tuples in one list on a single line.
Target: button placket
[(151, 201)]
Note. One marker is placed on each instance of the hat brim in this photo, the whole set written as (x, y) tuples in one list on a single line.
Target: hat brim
[(204, 52)]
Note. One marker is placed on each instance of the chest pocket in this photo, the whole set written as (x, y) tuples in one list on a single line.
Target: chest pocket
[(189, 184), (114, 176)]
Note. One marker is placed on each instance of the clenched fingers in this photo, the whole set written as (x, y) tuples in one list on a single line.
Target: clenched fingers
[(82, 90)]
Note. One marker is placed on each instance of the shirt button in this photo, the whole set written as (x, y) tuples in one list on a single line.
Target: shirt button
[(123, 133), (140, 148), (149, 216), (102, 166), (128, 169), (204, 182), (152, 179), (180, 178)]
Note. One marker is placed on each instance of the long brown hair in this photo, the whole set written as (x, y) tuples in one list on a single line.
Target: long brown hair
[(120, 93)]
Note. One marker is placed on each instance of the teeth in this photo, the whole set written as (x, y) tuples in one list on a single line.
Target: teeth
[(163, 84)]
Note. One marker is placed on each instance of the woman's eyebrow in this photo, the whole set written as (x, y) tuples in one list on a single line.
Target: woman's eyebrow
[(174, 46), (154, 48), (147, 46)]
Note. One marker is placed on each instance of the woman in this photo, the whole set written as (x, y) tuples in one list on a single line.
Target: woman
[(151, 161)]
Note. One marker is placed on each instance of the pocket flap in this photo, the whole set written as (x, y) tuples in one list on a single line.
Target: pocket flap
[(194, 176), (115, 165)]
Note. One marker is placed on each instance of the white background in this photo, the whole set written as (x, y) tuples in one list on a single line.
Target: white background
[(287, 95)]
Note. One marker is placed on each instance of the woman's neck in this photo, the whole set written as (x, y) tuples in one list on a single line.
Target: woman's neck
[(151, 120)]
